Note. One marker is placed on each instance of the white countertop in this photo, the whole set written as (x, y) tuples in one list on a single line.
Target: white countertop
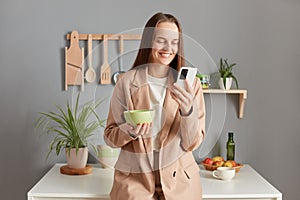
[(54, 184), (247, 184)]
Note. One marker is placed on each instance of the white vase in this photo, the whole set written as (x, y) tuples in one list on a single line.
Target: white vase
[(77, 160), (227, 85)]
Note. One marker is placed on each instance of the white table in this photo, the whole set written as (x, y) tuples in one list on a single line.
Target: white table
[(247, 184), (55, 185)]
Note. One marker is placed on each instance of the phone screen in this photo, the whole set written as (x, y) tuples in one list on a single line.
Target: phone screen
[(183, 73)]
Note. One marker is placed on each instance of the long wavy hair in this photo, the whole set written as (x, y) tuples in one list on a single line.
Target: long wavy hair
[(143, 55)]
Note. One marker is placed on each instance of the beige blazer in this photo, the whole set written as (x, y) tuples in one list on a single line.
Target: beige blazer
[(134, 177)]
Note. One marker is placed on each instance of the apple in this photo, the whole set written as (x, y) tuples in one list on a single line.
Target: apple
[(219, 163), (208, 161), (218, 158), (234, 164), (228, 163)]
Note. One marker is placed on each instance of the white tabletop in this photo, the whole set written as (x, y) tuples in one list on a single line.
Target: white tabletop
[(54, 184), (247, 184)]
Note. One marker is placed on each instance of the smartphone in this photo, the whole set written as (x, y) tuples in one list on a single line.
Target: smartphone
[(186, 73)]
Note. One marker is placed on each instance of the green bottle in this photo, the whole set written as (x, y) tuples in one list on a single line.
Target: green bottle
[(230, 147)]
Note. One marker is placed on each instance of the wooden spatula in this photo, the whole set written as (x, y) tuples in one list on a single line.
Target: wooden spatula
[(105, 68)]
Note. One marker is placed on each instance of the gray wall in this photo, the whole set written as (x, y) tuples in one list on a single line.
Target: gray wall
[(261, 36)]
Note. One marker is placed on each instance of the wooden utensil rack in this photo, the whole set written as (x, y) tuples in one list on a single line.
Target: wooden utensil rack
[(74, 63), (109, 36)]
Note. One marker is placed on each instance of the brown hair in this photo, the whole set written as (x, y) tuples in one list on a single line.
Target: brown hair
[(144, 52)]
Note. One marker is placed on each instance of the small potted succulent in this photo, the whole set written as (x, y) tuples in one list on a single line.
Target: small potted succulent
[(71, 129), (226, 74)]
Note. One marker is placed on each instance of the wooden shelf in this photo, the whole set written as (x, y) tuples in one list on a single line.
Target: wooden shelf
[(109, 36), (242, 97)]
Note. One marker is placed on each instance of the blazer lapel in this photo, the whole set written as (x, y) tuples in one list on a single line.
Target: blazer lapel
[(141, 100), (171, 108), (140, 90)]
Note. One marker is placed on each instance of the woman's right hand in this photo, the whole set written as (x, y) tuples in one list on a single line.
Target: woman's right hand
[(139, 130)]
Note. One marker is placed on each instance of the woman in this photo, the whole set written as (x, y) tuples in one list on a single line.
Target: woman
[(156, 160)]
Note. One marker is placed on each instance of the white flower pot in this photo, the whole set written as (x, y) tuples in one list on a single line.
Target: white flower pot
[(228, 83), (77, 160)]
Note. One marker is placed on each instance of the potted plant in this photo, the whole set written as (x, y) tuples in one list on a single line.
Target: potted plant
[(226, 74), (71, 129)]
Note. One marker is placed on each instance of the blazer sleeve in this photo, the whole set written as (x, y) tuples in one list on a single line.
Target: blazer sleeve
[(114, 135), (192, 127)]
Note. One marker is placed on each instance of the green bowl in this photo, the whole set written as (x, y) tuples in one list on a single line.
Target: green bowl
[(135, 117), (107, 156), (106, 151)]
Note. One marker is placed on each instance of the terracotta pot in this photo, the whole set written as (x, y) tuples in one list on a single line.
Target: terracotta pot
[(228, 83), (77, 160)]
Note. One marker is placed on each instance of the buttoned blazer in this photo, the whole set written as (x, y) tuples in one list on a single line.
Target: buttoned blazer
[(179, 136)]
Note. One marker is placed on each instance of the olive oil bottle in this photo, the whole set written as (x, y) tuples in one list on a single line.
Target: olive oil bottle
[(230, 146)]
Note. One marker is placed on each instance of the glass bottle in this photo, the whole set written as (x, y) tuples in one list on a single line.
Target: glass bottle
[(230, 146)]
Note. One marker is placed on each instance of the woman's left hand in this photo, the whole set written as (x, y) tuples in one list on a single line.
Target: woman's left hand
[(183, 97)]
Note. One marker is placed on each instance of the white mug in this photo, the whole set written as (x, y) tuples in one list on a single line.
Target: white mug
[(224, 173)]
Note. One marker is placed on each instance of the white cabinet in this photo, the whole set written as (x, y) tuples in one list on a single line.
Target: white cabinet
[(247, 184)]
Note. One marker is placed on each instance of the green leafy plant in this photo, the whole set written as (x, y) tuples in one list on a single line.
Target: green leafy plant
[(70, 126), (225, 71)]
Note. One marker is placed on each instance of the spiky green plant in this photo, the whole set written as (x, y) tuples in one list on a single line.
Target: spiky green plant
[(70, 126), (225, 71)]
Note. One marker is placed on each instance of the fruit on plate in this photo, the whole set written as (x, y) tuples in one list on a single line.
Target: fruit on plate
[(208, 161), (218, 158), (219, 163), (234, 164), (228, 163)]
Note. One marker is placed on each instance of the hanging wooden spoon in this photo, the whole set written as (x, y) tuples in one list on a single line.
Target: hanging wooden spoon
[(90, 74)]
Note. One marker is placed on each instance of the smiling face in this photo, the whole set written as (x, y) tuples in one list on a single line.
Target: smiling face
[(165, 43)]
